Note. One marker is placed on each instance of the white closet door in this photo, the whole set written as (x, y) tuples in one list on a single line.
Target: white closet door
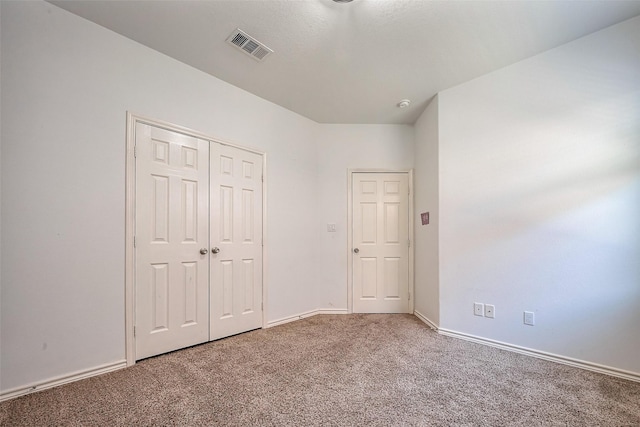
[(236, 240), (172, 207), (380, 242)]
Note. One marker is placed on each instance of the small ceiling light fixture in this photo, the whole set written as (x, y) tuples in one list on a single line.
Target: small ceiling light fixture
[(343, 1), (403, 103)]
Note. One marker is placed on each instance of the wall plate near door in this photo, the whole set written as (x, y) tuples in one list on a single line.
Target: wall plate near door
[(529, 318), (424, 217)]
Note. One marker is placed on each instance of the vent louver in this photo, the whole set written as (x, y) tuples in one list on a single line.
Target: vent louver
[(248, 45)]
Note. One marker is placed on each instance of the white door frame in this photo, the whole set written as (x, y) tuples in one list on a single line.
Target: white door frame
[(350, 173), (130, 203)]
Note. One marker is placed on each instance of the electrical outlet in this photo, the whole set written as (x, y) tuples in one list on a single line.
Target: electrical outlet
[(529, 318), (489, 310), (478, 309)]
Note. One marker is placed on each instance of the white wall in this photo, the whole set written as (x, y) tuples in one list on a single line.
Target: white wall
[(341, 147), (66, 87), (427, 280), (540, 200)]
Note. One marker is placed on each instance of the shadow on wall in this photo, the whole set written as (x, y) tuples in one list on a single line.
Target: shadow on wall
[(546, 179)]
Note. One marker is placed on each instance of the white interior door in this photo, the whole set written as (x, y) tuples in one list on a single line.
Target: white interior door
[(380, 242), (171, 228), (236, 240)]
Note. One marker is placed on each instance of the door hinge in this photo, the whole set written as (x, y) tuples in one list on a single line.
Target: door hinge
[(135, 151), (134, 241), (262, 178), (409, 296), (134, 331), (409, 242)]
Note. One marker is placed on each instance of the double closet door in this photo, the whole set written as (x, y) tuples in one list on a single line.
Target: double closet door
[(198, 240)]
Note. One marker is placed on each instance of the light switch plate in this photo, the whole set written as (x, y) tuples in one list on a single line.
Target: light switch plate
[(331, 228), (529, 318)]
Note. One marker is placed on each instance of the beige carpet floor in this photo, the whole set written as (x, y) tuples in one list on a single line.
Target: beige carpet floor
[(353, 370)]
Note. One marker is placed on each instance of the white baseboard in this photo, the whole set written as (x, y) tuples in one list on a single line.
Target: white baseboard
[(304, 315), (110, 367), (63, 379), (607, 370), (602, 369), (426, 320)]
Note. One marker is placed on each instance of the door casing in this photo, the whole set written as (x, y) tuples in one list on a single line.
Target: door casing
[(130, 199), (350, 173)]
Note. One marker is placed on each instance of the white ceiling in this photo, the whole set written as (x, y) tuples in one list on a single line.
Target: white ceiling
[(352, 63)]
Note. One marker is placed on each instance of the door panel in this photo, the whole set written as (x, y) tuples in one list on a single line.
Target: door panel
[(381, 235), (236, 215), (172, 205)]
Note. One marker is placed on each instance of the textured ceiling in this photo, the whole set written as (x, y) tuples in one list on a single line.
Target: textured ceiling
[(352, 63)]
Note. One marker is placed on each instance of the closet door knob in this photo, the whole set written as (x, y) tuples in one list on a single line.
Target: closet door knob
[(215, 250), (203, 251), (356, 250)]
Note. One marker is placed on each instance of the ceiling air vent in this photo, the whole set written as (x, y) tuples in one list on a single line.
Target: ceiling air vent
[(249, 45)]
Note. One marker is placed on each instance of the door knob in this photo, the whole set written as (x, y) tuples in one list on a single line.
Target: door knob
[(203, 251), (356, 250), (215, 250)]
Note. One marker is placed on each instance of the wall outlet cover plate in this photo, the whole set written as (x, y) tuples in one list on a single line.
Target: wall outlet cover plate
[(490, 311), (478, 309)]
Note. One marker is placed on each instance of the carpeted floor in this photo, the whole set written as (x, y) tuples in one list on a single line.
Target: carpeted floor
[(352, 370)]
